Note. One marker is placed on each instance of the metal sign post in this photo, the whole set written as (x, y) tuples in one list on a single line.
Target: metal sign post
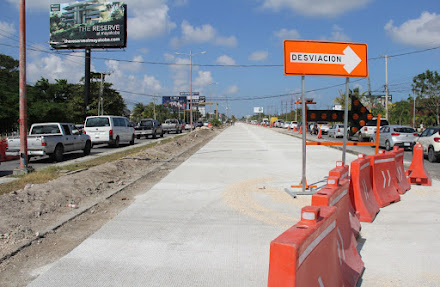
[(344, 147)]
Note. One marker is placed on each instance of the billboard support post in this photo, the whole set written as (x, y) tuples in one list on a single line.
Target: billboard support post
[(87, 80)]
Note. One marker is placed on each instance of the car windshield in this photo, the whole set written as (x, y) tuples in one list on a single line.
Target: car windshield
[(374, 123), (97, 122), (148, 124), (404, 130)]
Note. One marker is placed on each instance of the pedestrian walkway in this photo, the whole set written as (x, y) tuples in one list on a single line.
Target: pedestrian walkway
[(211, 220)]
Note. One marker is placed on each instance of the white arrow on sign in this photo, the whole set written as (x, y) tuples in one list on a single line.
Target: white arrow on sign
[(349, 59)]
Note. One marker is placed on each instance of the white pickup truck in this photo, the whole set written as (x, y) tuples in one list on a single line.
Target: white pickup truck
[(53, 139), (172, 125)]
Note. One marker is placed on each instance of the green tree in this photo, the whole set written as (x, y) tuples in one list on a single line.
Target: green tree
[(8, 94), (427, 88), (400, 113)]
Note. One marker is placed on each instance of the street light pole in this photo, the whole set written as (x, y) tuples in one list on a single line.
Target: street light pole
[(190, 83)]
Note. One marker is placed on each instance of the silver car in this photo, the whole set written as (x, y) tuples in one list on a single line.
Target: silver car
[(396, 135), (336, 131)]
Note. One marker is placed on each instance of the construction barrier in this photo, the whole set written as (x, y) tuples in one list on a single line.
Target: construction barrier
[(307, 254), (338, 196), (3, 147), (417, 174), (361, 190), (342, 172), (384, 178), (402, 181)]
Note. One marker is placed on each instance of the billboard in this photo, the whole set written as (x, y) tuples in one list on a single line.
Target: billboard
[(258, 110), (196, 98), (88, 24), (174, 102)]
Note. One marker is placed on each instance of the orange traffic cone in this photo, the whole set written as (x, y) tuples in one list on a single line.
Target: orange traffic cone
[(295, 129), (288, 128), (300, 130), (417, 173), (320, 134)]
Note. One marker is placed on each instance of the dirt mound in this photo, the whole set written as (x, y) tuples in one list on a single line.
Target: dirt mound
[(29, 213)]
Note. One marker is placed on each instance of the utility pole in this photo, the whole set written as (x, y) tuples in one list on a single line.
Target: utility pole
[(24, 169), (386, 87)]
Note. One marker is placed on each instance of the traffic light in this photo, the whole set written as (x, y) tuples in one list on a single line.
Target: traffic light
[(325, 116), (359, 115)]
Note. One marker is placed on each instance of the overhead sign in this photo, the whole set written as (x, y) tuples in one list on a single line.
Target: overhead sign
[(318, 58), (88, 24), (258, 110)]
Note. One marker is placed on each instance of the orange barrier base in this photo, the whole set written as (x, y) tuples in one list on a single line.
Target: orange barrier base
[(306, 185)]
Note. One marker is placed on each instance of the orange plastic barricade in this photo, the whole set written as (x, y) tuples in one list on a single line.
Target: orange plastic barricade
[(342, 172), (383, 172), (417, 174), (307, 254), (402, 181), (361, 190), (338, 196)]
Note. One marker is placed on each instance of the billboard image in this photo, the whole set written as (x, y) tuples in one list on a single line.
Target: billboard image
[(258, 110), (88, 24), (174, 102)]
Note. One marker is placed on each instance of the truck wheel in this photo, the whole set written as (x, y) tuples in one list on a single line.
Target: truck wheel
[(132, 140), (154, 135), (161, 134), (138, 137), (360, 138), (116, 143), (431, 155), (387, 146), (87, 148), (58, 153)]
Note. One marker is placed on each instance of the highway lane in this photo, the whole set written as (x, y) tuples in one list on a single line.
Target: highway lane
[(7, 168)]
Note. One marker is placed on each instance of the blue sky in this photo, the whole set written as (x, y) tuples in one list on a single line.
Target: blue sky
[(240, 32)]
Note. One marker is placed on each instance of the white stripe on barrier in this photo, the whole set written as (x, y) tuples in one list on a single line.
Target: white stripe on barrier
[(384, 179), (342, 242), (399, 155), (389, 177), (336, 200), (365, 165), (321, 284), (315, 242), (384, 160), (344, 175)]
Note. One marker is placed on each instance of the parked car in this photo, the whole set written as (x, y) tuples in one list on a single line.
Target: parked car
[(111, 130), (279, 123), (367, 131), (199, 124), (148, 127), (293, 124), (430, 140), (172, 125), (396, 135), (183, 125), (53, 139), (336, 131)]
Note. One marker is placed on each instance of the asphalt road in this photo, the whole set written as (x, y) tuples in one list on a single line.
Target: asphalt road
[(433, 168), (7, 168)]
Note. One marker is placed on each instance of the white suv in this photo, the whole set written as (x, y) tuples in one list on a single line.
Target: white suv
[(111, 130), (430, 140)]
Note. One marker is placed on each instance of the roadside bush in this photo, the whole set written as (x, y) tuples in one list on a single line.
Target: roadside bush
[(216, 123)]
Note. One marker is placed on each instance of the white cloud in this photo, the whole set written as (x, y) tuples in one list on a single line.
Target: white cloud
[(231, 90), (321, 8), (337, 34), (287, 34), (149, 20), (421, 32), (259, 56), (51, 67), (7, 29), (203, 79), (203, 34), (225, 60)]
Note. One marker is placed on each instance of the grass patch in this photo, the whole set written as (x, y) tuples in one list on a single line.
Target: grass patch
[(53, 172)]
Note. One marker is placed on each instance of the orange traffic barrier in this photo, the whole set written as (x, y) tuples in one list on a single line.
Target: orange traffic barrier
[(383, 173), (307, 254), (338, 196), (361, 190), (320, 134), (3, 156), (300, 130), (417, 174), (341, 171), (402, 181)]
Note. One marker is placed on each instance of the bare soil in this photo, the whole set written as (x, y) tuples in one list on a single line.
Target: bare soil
[(41, 223)]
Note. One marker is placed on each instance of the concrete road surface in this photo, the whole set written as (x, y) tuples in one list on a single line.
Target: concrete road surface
[(211, 220)]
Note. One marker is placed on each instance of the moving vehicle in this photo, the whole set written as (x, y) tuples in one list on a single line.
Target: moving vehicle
[(430, 140), (53, 139), (396, 135), (148, 127), (111, 130), (336, 131), (367, 131), (172, 125), (279, 123)]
